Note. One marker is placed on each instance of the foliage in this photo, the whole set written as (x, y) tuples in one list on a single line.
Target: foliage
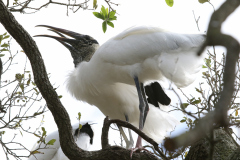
[(169, 2), (209, 90), (203, 1), (21, 103), (28, 6), (107, 16)]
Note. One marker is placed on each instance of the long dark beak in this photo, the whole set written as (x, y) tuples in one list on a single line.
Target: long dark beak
[(64, 31), (82, 47), (62, 38), (71, 44)]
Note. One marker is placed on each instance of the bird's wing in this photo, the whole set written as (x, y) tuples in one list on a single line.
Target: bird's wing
[(149, 51), (136, 44)]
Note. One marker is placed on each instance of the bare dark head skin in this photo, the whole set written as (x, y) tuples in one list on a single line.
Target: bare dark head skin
[(82, 47), (87, 129)]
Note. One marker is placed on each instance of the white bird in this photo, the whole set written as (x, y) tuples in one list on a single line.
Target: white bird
[(83, 137), (112, 76)]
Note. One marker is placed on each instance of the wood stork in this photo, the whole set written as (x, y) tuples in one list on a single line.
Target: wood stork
[(83, 137), (112, 76)]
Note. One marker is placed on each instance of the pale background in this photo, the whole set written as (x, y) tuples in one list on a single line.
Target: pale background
[(59, 63)]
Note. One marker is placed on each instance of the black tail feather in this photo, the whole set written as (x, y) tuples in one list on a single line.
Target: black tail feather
[(156, 94)]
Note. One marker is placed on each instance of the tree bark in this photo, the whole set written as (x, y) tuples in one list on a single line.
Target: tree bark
[(223, 149)]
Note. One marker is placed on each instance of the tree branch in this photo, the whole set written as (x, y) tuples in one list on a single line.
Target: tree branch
[(219, 116), (125, 124)]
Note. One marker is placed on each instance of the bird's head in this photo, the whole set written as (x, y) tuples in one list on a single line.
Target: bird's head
[(82, 47), (87, 129)]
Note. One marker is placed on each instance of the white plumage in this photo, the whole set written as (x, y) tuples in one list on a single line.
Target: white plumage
[(149, 53), (54, 152), (106, 81), (82, 142)]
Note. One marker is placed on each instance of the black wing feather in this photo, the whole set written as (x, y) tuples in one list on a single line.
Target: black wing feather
[(156, 95)]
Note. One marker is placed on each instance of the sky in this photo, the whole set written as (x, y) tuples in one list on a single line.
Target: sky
[(59, 63)]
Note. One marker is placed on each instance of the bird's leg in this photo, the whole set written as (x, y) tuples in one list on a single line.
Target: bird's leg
[(141, 102), (123, 135), (130, 142), (146, 102), (143, 113)]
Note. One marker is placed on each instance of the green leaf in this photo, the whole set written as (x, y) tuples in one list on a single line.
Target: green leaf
[(104, 12), (169, 2), (36, 113), (35, 152), (112, 19), (4, 49), (202, 1), (98, 15), (196, 101), (198, 90), (37, 135), (60, 96), (206, 74), (1, 38), (6, 37), (107, 11), (204, 66), (80, 126), (36, 91), (1, 55), (110, 24), (95, 4), (2, 132), (183, 120), (21, 85), (79, 116), (236, 113), (111, 14), (51, 142), (44, 132), (5, 45), (18, 77), (184, 105), (104, 26), (208, 62)]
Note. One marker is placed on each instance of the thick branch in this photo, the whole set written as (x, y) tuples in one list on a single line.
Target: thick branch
[(40, 76), (125, 124)]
